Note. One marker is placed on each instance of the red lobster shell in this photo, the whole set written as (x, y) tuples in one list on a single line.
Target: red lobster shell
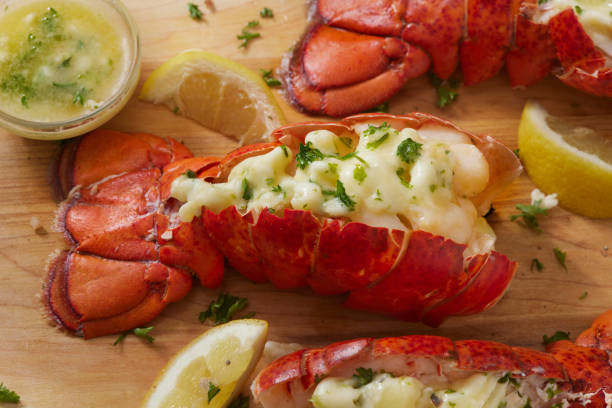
[(582, 371), (124, 221), (356, 54)]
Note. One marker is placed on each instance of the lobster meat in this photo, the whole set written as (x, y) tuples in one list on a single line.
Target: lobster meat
[(131, 254), (356, 54), (430, 371)]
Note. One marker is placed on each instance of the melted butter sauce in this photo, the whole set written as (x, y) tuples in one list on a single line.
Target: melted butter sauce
[(372, 183), (59, 59)]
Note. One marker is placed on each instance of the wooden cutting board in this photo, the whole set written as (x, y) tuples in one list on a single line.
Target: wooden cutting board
[(51, 369)]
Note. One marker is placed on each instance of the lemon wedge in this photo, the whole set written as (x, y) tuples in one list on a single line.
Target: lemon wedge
[(217, 362), (216, 92), (574, 162)]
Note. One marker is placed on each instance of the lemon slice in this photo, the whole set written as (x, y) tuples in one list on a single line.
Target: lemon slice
[(224, 356), (216, 92), (574, 162)]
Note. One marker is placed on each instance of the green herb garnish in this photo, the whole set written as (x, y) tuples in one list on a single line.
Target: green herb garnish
[(507, 378), (353, 155), (445, 90), (409, 150), (555, 337), (142, 332), (343, 197), (80, 96), (529, 214), (222, 309), (347, 141), (376, 143), (528, 403), (266, 13), (277, 189), (269, 79), (190, 174), (560, 255), (213, 390), (378, 197), (7, 395), (359, 173), (535, 263), (285, 150), (584, 295), (247, 191), (194, 11), (400, 174), (363, 376), (578, 9), (248, 36), (307, 155), (371, 130)]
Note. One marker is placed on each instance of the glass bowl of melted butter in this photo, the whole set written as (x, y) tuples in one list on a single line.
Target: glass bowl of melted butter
[(66, 66)]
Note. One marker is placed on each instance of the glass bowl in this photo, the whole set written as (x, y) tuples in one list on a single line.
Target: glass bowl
[(88, 121)]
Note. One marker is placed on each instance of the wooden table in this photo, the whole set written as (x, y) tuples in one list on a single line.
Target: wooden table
[(51, 369)]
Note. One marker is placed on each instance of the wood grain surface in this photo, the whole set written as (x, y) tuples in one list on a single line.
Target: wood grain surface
[(49, 368)]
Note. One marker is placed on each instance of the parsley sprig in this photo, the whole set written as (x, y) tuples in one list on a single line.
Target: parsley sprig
[(194, 11), (7, 395), (142, 332), (213, 390), (247, 36), (409, 150), (224, 308), (308, 154), (445, 90), (266, 13), (560, 255), (340, 194), (559, 335), (269, 79), (363, 376), (529, 215)]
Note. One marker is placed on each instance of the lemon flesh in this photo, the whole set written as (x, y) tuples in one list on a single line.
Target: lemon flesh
[(216, 92), (574, 162), (224, 356)]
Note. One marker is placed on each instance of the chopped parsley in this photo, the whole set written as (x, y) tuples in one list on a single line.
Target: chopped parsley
[(400, 174), (552, 391), (452, 404), (516, 152), (359, 173), (247, 191), (409, 150), (269, 79), (307, 155), (248, 36), (376, 143), (578, 9), (343, 197), (560, 255), (142, 332), (378, 197), (24, 101), (371, 130), (559, 335), (190, 174), (240, 402), (450, 391), (445, 90), (194, 11), (433, 187), (347, 141), (535, 263), (332, 168), (507, 378), (79, 96), (277, 189), (222, 309), (502, 404), (266, 13), (529, 214), (584, 295), (213, 390), (363, 376), (285, 150), (353, 155), (7, 395)]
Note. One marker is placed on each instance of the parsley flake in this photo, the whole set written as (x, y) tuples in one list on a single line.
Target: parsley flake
[(529, 214), (343, 197), (560, 255), (445, 90), (578, 9), (224, 308), (143, 333), (277, 189), (266, 13), (376, 143), (400, 173), (269, 79), (190, 174), (285, 150), (409, 150), (371, 130), (363, 376), (347, 141), (359, 173), (247, 191), (194, 11), (248, 36), (213, 390), (378, 197), (7, 395), (535, 263), (584, 295), (80, 96), (559, 335), (307, 155), (507, 378)]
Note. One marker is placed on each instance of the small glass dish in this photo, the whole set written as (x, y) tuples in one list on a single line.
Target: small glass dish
[(64, 129)]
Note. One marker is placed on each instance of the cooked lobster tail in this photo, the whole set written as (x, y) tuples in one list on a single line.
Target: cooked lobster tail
[(356, 54), (488, 373)]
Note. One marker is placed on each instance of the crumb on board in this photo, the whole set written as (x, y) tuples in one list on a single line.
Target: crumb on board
[(37, 226)]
